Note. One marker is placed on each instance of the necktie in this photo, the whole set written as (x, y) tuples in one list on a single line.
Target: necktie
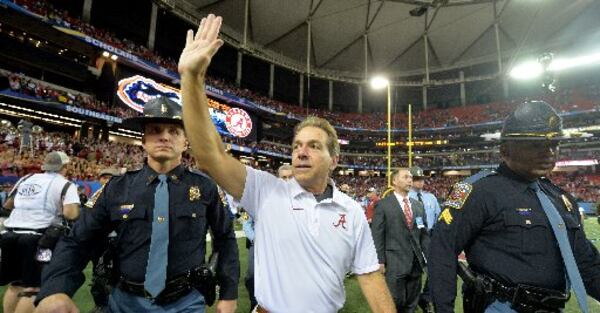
[(156, 270), (560, 232), (407, 214), (420, 197)]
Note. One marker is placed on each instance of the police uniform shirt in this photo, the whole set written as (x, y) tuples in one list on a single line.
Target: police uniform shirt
[(126, 205), (500, 224), (37, 201), (304, 248), (431, 205)]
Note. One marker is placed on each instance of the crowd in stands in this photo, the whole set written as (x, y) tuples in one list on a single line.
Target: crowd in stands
[(425, 161), (65, 19), (431, 118), (88, 157), (582, 186), (27, 86), (566, 100)]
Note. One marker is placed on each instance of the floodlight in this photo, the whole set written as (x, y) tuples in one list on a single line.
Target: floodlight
[(527, 70), (562, 64), (379, 82)]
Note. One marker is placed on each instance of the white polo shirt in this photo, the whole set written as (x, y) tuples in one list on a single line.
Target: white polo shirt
[(38, 202), (303, 249)]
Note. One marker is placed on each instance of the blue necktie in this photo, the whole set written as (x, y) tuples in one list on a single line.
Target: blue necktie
[(560, 232), (156, 271)]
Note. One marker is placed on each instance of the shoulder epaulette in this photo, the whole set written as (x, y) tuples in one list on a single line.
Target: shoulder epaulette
[(133, 170), (481, 174), (197, 172)]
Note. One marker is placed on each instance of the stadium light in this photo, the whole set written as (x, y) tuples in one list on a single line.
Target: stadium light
[(379, 82), (563, 64), (114, 57), (526, 71), (105, 54), (534, 69)]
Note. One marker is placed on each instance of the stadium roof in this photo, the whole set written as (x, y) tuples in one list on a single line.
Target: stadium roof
[(459, 32)]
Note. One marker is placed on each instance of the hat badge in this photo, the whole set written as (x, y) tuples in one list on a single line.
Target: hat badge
[(553, 121)]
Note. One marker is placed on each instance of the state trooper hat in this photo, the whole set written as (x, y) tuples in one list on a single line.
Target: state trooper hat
[(533, 120), (416, 171), (55, 161), (157, 110)]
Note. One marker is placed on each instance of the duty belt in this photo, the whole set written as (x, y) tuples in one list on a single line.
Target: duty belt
[(525, 298), (175, 288)]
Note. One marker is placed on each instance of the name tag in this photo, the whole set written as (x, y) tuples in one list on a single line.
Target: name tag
[(419, 222)]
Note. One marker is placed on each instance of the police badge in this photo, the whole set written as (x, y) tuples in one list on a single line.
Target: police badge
[(194, 193)]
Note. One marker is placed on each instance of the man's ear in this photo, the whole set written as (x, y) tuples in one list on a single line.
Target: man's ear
[(334, 162)]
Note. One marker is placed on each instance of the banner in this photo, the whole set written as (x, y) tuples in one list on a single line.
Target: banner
[(136, 90), (66, 107)]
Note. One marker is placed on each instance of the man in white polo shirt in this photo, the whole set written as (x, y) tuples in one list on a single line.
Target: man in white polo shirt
[(308, 233), (36, 203)]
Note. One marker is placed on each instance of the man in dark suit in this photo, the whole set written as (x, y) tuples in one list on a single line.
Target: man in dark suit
[(400, 236)]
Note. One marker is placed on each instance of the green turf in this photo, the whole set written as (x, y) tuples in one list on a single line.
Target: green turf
[(355, 302)]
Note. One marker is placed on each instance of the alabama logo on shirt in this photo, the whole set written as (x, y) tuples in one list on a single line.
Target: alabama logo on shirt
[(341, 222)]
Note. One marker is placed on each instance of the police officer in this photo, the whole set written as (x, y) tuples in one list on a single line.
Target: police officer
[(432, 211), (161, 213), (521, 234), (429, 201), (37, 202)]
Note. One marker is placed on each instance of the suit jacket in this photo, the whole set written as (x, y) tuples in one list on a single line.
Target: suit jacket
[(397, 246)]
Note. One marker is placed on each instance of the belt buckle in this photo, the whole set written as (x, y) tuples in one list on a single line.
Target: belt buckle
[(520, 297)]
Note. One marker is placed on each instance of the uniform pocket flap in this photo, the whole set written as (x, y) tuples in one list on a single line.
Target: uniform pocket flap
[(525, 219), (191, 210)]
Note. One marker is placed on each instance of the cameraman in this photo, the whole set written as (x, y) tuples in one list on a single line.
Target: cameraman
[(37, 205)]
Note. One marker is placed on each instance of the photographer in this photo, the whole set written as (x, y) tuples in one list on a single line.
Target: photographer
[(37, 206)]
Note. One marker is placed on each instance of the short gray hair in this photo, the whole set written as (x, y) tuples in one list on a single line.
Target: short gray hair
[(284, 167)]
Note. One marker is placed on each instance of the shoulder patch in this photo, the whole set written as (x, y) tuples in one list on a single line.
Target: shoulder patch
[(92, 200), (458, 196)]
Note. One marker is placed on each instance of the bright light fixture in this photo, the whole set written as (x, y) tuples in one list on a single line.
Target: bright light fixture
[(114, 57), (379, 82), (105, 54), (527, 70), (533, 69), (562, 64)]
